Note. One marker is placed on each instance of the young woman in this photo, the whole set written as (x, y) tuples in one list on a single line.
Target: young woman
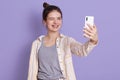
[(51, 54)]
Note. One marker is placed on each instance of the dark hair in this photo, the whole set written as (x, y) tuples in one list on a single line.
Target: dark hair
[(49, 8)]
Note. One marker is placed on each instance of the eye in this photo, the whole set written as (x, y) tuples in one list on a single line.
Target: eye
[(59, 18)]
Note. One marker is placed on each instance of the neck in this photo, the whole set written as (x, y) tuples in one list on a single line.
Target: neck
[(52, 35)]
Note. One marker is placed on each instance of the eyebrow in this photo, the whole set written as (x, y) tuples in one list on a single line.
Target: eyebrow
[(54, 17)]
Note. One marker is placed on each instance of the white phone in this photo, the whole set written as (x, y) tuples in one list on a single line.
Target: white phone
[(89, 20)]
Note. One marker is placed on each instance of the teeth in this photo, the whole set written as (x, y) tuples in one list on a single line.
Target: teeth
[(55, 26)]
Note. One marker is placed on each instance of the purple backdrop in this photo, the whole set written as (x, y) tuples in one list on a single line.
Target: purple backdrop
[(20, 24)]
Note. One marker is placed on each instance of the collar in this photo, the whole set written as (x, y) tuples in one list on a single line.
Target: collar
[(40, 37)]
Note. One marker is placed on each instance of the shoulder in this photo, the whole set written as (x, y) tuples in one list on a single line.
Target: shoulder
[(38, 40), (67, 38)]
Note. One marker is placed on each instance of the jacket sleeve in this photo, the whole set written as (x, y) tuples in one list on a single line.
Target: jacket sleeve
[(32, 63), (79, 48)]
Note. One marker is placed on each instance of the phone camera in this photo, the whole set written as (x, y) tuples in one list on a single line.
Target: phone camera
[(86, 18)]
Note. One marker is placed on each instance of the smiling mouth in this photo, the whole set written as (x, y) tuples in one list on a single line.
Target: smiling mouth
[(55, 26)]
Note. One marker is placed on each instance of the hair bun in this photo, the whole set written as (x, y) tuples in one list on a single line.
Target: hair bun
[(45, 4)]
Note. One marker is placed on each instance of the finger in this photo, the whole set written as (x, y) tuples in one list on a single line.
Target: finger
[(88, 29), (95, 28), (90, 26), (93, 31), (87, 36), (88, 33)]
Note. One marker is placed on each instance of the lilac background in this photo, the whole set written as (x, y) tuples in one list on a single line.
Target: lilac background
[(20, 24)]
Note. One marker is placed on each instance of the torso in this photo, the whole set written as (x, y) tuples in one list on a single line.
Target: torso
[(49, 67)]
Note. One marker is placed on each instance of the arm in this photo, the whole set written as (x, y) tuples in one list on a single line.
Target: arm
[(84, 49), (79, 48), (32, 63)]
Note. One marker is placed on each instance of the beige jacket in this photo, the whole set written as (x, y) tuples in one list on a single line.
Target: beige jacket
[(65, 47)]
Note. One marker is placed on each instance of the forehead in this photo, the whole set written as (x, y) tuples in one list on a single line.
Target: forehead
[(54, 13)]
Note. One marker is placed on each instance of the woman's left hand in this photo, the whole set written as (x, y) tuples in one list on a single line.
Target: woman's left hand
[(91, 33)]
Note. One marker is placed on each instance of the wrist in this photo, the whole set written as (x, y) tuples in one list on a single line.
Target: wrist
[(94, 41)]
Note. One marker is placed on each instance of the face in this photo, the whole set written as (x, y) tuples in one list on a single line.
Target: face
[(53, 21)]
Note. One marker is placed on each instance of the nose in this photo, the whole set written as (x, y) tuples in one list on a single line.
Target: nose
[(55, 21)]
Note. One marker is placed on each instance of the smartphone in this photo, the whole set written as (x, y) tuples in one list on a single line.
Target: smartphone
[(89, 20)]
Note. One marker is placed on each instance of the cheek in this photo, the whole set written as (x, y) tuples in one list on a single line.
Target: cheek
[(49, 23), (60, 22)]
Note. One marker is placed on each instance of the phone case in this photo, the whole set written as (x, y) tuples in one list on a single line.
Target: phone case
[(89, 20)]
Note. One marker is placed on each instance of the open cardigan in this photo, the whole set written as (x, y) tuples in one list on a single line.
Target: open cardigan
[(66, 46)]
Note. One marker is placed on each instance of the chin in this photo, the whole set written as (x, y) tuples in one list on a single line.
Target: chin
[(55, 29)]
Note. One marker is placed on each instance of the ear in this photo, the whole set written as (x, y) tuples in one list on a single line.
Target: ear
[(44, 22)]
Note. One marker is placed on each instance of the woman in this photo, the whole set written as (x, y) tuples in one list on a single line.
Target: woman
[(51, 54)]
